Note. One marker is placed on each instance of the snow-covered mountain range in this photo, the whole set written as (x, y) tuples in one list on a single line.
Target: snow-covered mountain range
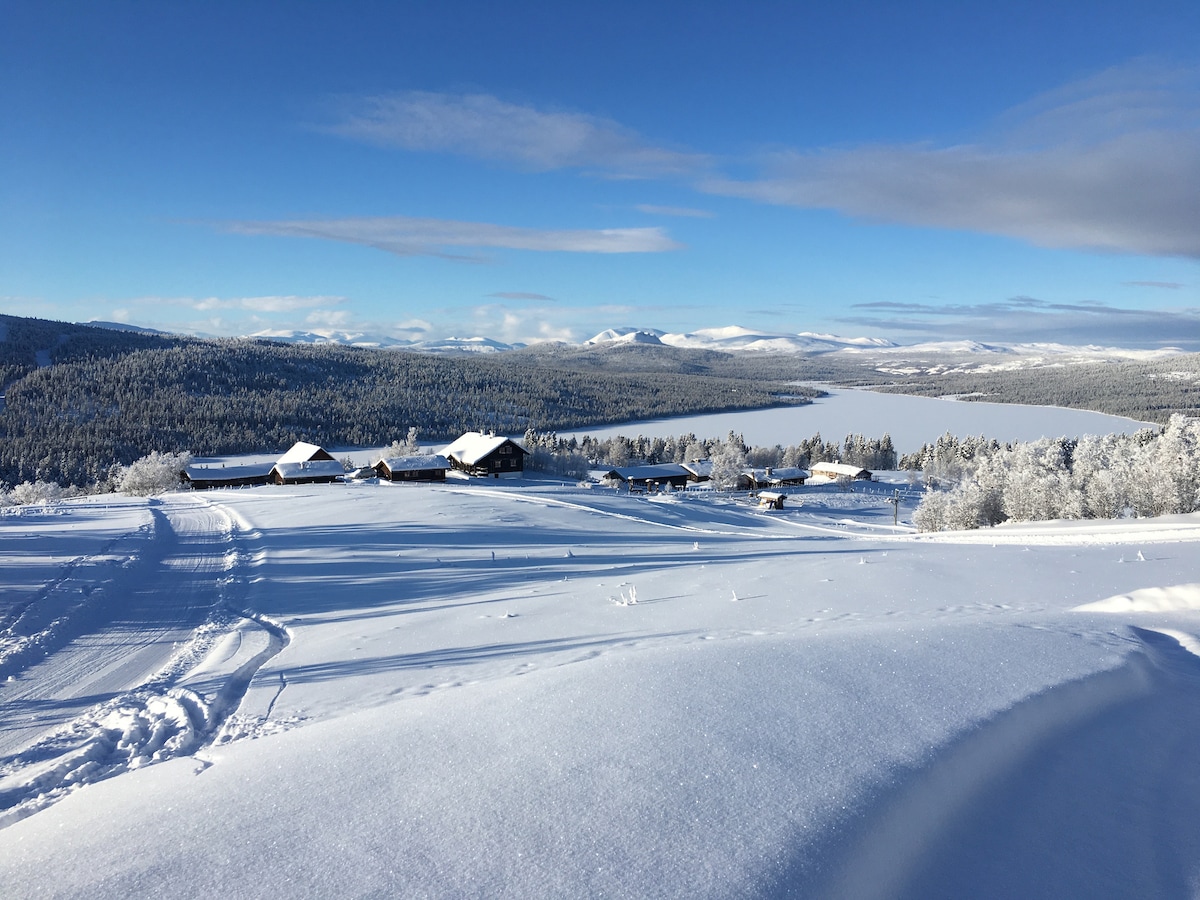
[(734, 338), (379, 341), (727, 339)]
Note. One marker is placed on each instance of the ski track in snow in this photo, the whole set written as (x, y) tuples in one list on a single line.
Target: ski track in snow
[(116, 666)]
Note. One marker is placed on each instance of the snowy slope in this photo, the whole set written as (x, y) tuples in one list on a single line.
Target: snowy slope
[(534, 689)]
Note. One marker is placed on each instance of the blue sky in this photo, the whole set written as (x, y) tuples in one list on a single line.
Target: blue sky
[(526, 171)]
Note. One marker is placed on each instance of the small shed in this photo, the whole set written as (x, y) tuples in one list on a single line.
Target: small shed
[(306, 463), (771, 499), (833, 471), (650, 478), (413, 468), (486, 455)]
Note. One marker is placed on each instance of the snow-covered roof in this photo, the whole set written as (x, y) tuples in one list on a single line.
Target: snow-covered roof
[(317, 468), (473, 446), (227, 473), (301, 451), (835, 469), (415, 463), (701, 468)]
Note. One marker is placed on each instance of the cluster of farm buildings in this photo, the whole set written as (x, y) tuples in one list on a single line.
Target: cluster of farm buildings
[(477, 455)]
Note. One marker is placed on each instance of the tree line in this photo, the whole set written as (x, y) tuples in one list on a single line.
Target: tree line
[(574, 456)]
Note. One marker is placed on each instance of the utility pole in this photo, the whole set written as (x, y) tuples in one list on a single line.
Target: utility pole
[(895, 501)]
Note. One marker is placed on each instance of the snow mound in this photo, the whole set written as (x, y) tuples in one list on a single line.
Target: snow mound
[(1152, 599), (126, 734)]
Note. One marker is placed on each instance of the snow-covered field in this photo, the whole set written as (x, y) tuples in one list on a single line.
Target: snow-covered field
[(533, 689)]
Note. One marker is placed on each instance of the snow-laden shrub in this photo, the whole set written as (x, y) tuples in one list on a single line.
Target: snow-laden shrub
[(35, 492), (154, 474), (933, 512)]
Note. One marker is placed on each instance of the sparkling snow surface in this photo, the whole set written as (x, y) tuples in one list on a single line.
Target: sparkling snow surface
[(529, 689), (911, 421)]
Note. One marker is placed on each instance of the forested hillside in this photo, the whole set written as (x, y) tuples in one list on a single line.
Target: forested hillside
[(1149, 391), (27, 343), (121, 396)]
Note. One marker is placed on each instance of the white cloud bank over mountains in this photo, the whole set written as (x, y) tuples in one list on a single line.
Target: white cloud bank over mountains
[(728, 339), (1108, 163)]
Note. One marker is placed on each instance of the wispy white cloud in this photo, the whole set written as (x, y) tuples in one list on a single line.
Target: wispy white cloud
[(413, 329), (519, 323), (268, 304), (1111, 163), (406, 236), (486, 127), (686, 212), (1164, 285), (328, 318), (522, 295), (1023, 319)]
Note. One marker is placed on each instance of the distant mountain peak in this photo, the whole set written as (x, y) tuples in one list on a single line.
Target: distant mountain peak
[(331, 336), (626, 336), (736, 338)]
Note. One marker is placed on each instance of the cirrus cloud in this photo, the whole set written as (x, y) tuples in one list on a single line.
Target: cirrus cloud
[(486, 127), (522, 295), (405, 236), (1111, 163), (272, 304), (686, 212)]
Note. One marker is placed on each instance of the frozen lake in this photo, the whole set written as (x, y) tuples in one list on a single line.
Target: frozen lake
[(911, 421)]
